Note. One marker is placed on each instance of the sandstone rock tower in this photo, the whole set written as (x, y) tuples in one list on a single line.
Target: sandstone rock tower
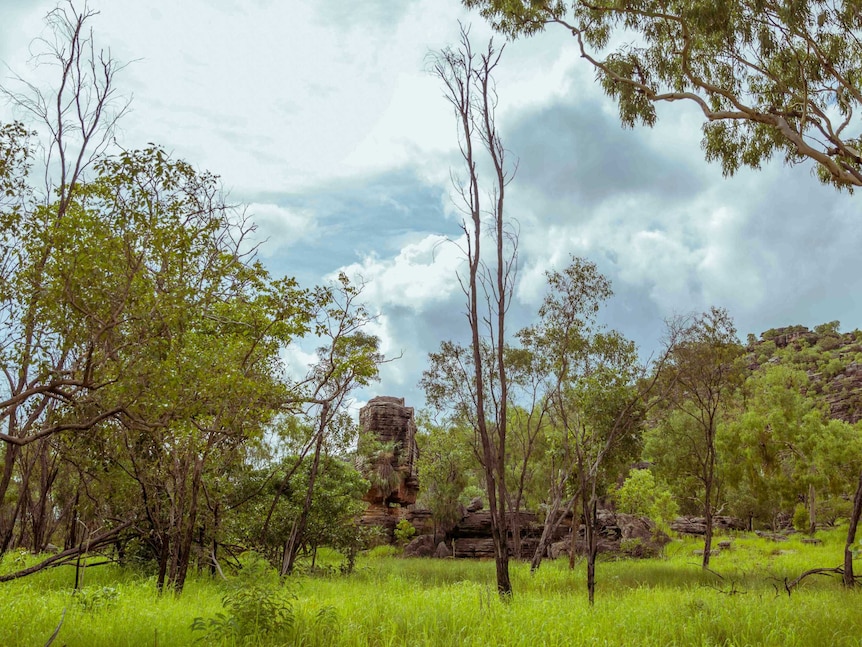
[(390, 421)]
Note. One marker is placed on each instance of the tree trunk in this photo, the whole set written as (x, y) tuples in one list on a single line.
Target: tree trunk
[(552, 522), (186, 534), (7, 521), (497, 508), (515, 529), (576, 528), (707, 537), (590, 523), (849, 580), (292, 547), (708, 483), (812, 510), (164, 546)]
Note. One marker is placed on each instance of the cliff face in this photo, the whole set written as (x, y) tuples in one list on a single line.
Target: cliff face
[(832, 360)]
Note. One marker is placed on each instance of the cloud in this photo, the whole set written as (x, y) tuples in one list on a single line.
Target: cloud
[(420, 275), (279, 228)]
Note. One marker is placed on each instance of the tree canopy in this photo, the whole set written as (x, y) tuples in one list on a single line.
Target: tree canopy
[(770, 77)]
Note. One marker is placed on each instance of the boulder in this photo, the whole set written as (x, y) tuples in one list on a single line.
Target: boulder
[(475, 505), (617, 533), (697, 525), (559, 549), (474, 547), (442, 551), (421, 546)]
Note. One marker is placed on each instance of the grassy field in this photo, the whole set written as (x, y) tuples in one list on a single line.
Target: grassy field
[(392, 601)]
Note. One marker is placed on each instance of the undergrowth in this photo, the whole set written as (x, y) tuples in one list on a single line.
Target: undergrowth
[(668, 600)]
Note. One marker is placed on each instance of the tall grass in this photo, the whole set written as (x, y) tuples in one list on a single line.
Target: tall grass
[(392, 601)]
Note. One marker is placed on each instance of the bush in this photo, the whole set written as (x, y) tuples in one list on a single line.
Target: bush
[(641, 495), (800, 517), (632, 546), (404, 532), (93, 599), (257, 605)]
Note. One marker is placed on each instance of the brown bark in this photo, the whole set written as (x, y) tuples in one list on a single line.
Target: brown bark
[(812, 509), (462, 76), (292, 547), (590, 524), (709, 484), (552, 522), (849, 580), (69, 555)]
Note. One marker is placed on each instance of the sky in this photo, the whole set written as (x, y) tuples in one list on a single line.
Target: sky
[(322, 117)]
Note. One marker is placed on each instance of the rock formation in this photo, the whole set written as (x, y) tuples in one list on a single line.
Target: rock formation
[(389, 421), (471, 536), (841, 389), (697, 525)]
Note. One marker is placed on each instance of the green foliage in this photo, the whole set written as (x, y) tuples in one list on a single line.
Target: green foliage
[(632, 546), (428, 602), (641, 495), (832, 328), (336, 505), (250, 612), (97, 598), (378, 461), (445, 466), (770, 78), (404, 532), (256, 606), (800, 517)]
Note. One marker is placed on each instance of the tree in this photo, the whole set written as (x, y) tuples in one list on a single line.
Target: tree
[(445, 464), (477, 385), (702, 374), (769, 76), (197, 335), (337, 503), (141, 340), (595, 389), (348, 358), (560, 344), (48, 369)]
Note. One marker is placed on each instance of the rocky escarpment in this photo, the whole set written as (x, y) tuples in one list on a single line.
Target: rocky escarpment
[(832, 361)]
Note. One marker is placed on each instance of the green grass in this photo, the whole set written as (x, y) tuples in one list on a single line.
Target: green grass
[(392, 601)]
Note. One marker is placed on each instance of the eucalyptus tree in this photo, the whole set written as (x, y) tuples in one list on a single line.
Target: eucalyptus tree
[(141, 340), (703, 373), (349, 357), (595, 390), (446, 466), (198, 327), (782, 449), (475, 382), (769, 77)]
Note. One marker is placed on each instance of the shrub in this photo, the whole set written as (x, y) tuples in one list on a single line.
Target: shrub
[(257, 606), (93, 599), (404, 532), (632, 546), (641, 495), (800, 517)]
